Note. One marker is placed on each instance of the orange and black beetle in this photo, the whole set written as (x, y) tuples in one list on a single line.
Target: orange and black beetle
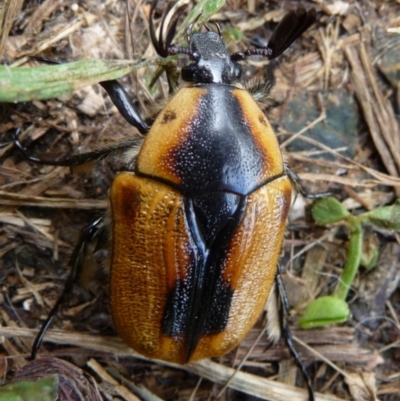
[(198, 215)]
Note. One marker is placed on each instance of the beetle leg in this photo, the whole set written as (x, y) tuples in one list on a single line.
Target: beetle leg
[(94, 230), (125, 105), (295, 179), (119, 97), (83, 158), (261, 90), (291, 27), (287, 334)]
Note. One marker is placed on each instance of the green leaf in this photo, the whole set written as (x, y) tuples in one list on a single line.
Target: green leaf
[(45, 389), (323, 312), (387, 217), (328, 210), (20, 84), (203, 10), (211, 7)]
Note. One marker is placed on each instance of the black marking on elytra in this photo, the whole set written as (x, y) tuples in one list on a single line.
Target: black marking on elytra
[(200, 304)]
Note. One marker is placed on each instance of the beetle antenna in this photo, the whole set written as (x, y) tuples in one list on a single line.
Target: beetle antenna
[(173, 50), (291, 27), (163, 45)]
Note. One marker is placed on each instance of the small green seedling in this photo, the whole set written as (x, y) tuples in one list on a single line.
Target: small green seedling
[(333, 308)]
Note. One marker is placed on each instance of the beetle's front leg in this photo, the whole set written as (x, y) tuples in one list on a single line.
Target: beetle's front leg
[(295, 179), (119, 97), (125, 105)]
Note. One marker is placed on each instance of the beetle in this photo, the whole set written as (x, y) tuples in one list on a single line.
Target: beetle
[(198, 214)]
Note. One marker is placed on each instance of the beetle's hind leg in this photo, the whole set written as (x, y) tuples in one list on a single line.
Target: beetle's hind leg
[(79, 159), (295, 179), (287, 334), (96, 230)]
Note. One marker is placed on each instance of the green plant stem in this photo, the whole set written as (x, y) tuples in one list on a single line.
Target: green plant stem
[(353, 262)]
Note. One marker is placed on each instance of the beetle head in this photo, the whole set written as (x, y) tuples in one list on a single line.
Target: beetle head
[(211, 61)]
